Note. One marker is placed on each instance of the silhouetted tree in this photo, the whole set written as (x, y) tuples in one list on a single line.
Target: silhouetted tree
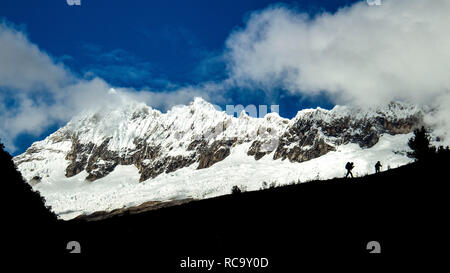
[(443, 150), (420, 145)]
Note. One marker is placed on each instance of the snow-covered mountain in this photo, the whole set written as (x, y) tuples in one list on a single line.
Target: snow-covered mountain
[(124, 156)]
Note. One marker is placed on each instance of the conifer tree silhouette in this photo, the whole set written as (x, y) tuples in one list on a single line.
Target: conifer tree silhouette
[(420, 145)]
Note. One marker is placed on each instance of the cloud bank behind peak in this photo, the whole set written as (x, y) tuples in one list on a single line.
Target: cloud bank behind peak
[(361, 54)]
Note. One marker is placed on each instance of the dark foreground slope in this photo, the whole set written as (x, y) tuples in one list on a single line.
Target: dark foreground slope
[(404, 209)]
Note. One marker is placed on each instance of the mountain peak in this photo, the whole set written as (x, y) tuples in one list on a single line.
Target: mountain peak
[(183, 152), (200, 103)]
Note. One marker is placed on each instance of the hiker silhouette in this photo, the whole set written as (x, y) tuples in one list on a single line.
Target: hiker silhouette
[(349, 166), (378, 167)]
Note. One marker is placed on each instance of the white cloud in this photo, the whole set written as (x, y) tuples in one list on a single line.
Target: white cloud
[(36, 92), (34, 112), (360, 54), (23, 66)]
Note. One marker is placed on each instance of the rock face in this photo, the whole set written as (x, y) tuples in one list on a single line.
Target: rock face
[(315, 133), (97, 142), (218, 151)]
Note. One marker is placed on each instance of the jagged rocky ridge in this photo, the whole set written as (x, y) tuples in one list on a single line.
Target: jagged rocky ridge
[(98, 141)]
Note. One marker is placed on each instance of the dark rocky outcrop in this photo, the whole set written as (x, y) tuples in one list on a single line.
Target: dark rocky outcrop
[(98, 161), (166, 164), (78, 155), (218, 151), (310, 138), (255, 150), (300, 154), (35, 180)]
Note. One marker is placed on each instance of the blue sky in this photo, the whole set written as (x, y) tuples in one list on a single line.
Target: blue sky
[(143, 42), (155, 44), (173, 45)]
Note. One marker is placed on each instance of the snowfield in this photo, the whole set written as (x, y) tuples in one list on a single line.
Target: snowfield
[(70, 197)]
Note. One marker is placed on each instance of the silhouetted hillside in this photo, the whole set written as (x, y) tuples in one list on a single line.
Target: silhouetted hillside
[(401, 208), (25, 219), (404, 209)]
